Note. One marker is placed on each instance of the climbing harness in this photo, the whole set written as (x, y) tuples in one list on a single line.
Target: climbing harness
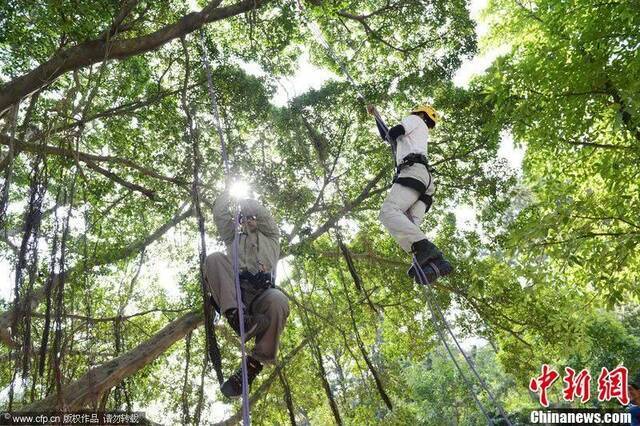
[(431, 300), (260, 280), (414, 183), (236, 272), (412, 159)]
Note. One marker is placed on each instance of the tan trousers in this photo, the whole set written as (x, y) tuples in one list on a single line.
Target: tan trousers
[(272, 303), (402, 213)]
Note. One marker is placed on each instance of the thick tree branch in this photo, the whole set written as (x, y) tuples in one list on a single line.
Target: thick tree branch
[(88, 388), (94, 51)]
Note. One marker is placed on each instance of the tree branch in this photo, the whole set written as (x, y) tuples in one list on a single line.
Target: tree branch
[(86, 158), (88, 388), (586, 235), (366, 192), (91, 159), (93, 320), (362, 20), (114, 177), (125, 10), (94, 51), (125, 108)]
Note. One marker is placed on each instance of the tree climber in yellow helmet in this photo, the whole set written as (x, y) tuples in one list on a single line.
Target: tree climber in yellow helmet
[(410, 196)]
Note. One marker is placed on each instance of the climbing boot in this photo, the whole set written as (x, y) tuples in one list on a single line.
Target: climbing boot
[(424, 251), (254, 325), (433, 270), (431, 260), (232, 388)]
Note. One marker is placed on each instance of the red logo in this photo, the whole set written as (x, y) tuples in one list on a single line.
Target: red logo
[(576, 386), (611, 384), (544, 382)]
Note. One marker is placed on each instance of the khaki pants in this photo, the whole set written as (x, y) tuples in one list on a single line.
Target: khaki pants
[(272, 303), (401, 212)]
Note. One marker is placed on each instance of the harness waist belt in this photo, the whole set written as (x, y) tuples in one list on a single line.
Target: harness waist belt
[(259, 280), (412, 159), (413, 183)]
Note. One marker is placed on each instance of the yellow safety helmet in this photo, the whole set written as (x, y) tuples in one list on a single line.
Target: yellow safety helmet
[(429, 110)]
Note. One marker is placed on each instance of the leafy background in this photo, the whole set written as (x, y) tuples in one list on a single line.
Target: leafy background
[(100, 235)]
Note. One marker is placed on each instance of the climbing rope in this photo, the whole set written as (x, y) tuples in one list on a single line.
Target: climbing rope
[(236, 269), (317, 33), (211, 342), (430, 296), (431, 302)]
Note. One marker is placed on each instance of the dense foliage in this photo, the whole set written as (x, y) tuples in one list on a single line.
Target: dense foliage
[(98, 217)]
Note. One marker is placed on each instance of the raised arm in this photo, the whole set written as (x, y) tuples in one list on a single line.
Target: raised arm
[(223, 217), (393, 132)]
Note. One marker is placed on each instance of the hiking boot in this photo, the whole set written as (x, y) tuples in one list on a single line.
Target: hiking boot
[(424, 251), (232, 388), (254, 325), (433, 270)]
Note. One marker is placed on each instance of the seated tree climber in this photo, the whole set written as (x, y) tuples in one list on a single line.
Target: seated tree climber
[(410, 196), (264, 307)]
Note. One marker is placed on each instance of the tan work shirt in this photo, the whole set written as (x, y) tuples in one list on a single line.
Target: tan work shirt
[(258, 250)]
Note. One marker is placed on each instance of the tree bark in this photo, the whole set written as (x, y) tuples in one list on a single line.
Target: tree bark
[(86, 389)]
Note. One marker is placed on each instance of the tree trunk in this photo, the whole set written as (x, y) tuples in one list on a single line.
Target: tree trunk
[(83, 391)]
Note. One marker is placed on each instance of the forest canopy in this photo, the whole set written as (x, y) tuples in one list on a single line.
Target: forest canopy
[(105, 114)]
